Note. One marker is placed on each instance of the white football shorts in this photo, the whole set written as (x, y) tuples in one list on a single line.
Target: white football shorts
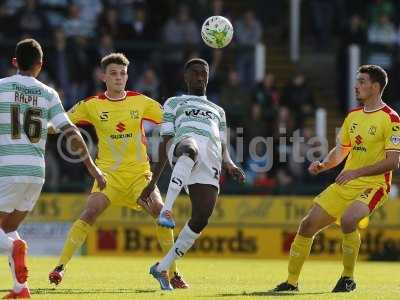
[(207, 169), (18, 196)]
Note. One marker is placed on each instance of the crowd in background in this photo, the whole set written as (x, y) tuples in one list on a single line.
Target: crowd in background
[(158, 37)]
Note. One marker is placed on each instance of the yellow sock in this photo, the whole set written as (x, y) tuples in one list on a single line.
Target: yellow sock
[(75, 238), (165, 237), (299, 251), (350, 247)]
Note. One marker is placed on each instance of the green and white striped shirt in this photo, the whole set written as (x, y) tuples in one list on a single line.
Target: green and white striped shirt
[(26, 107), (194, 116)]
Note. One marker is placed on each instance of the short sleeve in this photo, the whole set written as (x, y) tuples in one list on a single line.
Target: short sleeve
[(56, 113), (222, 127), (153, 111), (392, 136), (79, 113), (344, 136), (168, 120)]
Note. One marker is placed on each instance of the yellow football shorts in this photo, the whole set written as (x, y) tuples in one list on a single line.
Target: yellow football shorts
[(336, 198), (124, 188)]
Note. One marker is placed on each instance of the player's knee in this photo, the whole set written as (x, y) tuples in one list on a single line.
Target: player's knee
[(307, 227), (89, 215), (155, 209), (190, 150), (348, 223), (198, 224)]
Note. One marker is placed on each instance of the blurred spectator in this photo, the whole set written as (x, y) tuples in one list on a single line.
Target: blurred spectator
[(257, 128), (182, 29), (258, 125), (55, 11), (139, 28), (257, 167), (5, 20), (267, 96), (31, 21), (98, 85), (149, 84), (211, 8), (298, 160), (80, 69), (234, 99), (298, 97), (181, 34), (108, 23), (322, 14), (248, 29), (382, 32), (125, 8), (248, 33), (12, 6), (74, 25), (354, 32), (285, 123), (52, 169), (89, 10), (58, 63), (105, 47), (379, 8)]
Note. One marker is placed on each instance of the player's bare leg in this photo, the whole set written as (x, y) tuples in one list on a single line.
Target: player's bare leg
[(186, 152), (17, 256), (350, 244), (203, 198), (316, 219), (165, 236), (96, 204)]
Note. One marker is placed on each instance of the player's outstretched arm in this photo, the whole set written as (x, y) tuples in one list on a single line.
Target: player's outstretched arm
[(158, 167), (390, 163), (78, 145), (334, 157), (230, 166)]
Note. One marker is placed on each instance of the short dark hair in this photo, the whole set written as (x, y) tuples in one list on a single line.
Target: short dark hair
[(194, 61), (376, 74), (114, 58), (28, 52)]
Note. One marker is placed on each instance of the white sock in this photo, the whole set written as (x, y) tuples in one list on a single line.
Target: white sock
[(6, 243), (17, 286), (184, 242), (179, 177)]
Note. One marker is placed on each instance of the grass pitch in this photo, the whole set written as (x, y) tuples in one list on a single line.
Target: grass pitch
[(127, 278)]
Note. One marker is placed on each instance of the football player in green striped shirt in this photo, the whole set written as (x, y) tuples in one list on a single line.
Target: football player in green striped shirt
[(194, 141), (26, 107)]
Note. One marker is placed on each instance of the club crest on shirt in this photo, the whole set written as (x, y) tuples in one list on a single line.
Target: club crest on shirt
[(372, 130), (395, 139), (134, 114)]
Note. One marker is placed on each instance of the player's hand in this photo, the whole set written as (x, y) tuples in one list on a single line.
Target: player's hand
[(236, 172), (315, 168), (145, 195), (99, 176), (346, 176)]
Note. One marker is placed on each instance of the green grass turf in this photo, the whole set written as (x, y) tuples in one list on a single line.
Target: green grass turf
[(127, 278)]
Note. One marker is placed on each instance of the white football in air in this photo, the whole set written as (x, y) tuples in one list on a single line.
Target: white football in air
[(217, 32)]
